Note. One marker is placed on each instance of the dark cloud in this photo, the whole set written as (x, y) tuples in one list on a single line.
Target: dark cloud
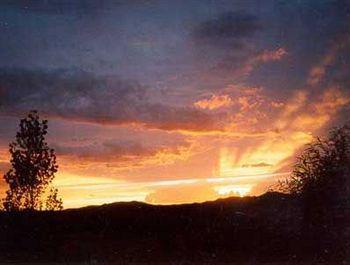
[(105, 151), (228, 29), (119, 153), (86, 97), (262, 164), (114, 148), (61, 7)]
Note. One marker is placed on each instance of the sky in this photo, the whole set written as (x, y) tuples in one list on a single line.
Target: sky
[(173, 101)]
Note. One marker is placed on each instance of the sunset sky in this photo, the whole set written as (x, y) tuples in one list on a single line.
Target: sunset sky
[(173, 101)]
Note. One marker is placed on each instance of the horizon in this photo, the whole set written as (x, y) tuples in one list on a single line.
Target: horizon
[(223, 197), (173, 102)]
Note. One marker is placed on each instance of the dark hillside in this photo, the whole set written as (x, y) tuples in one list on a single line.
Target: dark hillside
[(265, 228)]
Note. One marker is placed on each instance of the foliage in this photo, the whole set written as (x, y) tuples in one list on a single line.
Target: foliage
[(323, 165), (33, 168), (321, 175), (53, 202)]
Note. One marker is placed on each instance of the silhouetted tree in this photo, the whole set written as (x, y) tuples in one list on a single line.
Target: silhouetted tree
[(321, 173), (33, 168), (321, 177), (53, 202)]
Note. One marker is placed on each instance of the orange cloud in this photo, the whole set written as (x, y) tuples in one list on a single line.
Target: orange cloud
[(275, 55), (319, 70), (214, 102), (114, 164), (295, 124), (263, 57), (243, 141)]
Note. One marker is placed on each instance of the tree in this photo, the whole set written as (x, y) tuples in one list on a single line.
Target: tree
[(321, 179), (33, 165), (321, 174), (53, 202)]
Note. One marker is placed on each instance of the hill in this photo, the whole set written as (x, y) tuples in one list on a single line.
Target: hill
[(250, 229)]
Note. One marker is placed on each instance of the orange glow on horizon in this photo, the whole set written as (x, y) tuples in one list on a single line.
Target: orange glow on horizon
[(235, 140)]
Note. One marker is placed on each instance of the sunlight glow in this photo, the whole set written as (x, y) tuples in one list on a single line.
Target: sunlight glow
[(241, 190)]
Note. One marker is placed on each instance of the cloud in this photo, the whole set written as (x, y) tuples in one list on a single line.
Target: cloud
[(83, 96), (242, 109), (307, 111), (125, 154), (260, 58), (240, 66), (318, 71), (291, 126), (63, 7), (261, 164), (335, 57), (214, 102), (228, 29), (273, 55)]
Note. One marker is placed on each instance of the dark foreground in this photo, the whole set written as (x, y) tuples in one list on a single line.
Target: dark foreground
[(268, 228)]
